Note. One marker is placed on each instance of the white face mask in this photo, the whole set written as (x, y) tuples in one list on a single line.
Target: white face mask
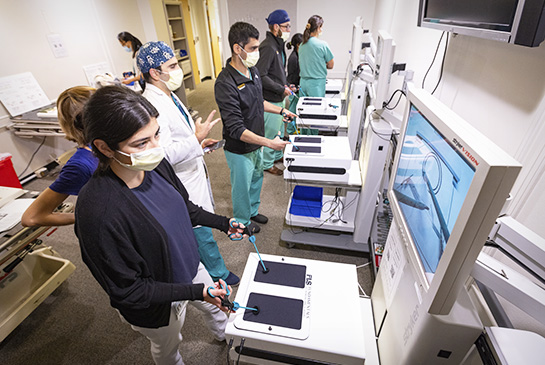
[(127, 49), (143, 161), (285, 36), (175, 80), (251, 58)]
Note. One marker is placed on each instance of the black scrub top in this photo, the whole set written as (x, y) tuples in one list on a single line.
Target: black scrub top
[(240, 101)]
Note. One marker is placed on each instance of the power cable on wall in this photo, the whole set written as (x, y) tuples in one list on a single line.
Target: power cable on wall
[(433, 61), (32, 158)]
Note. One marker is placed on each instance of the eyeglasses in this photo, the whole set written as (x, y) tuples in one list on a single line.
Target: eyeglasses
[(285, 26)]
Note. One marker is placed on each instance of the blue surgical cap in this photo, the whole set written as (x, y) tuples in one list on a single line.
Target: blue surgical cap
[(152, 55), (278, 17)]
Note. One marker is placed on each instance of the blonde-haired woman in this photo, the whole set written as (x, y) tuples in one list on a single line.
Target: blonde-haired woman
[(75, 173)]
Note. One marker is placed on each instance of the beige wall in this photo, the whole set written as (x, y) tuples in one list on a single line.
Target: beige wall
[(337, 21), (88, 29), (337, 30), (159, 19)]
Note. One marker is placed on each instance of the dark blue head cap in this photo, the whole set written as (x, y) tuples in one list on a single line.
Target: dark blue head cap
[(278, 17), (152, 55)]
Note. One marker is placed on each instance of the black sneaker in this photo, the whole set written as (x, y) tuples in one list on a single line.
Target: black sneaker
[(253, 228), (232, 279), (260, 218)]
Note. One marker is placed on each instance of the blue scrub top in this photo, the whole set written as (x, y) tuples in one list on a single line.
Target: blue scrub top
[(168, 207), (75, 173)]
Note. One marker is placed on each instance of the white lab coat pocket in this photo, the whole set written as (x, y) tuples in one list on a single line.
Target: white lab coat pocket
[(179, 309)]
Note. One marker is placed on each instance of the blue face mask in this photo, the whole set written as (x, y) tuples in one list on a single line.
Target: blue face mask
[(128, 49)]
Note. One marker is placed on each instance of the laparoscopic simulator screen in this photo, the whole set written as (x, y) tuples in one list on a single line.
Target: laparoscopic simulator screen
[(431, 184)]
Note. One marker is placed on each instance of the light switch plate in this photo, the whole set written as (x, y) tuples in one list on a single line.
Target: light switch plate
[(57, 45)]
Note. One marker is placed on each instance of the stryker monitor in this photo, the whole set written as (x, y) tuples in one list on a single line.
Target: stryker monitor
[(448, 186), (431, 183)]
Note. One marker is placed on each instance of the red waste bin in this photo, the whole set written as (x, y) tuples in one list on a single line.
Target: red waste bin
[(8, 177)]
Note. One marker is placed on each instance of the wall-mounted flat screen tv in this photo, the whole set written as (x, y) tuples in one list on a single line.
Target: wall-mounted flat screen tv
[(513, 21)]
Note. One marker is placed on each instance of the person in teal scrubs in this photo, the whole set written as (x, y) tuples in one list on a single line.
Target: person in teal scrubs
[(315, 58)]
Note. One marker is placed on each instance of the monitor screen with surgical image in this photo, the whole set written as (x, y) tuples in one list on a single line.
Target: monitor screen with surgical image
[(431, 184)]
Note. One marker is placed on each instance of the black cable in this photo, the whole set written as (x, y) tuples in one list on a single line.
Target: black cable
[(32, 158), (385, 105), (383, 136), (241, 346), (442, 65), (359, 68), (302, 122), (347, 206), (397, 102), (491, 243), (336, 202), (229, 350), (433, 61), (290, 223)]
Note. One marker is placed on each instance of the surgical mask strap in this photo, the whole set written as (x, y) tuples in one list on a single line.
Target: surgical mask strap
[(124, 154), (119, 162), (249, 62), (241, 57)]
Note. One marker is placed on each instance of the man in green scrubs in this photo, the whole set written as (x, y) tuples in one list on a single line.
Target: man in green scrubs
[(239, 95)]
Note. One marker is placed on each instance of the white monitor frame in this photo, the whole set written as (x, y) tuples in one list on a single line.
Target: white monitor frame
[(357, 38), (495, 174), (384, 59)]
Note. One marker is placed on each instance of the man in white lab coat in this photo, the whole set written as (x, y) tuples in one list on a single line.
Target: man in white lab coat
[(183, 141)]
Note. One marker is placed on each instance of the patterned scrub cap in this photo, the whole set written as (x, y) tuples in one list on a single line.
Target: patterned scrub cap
[(152, 55)]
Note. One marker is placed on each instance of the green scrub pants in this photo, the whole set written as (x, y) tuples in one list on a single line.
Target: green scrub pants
[(246, 182), (312, 87), (210, 254), (273, 125), (291, 126)]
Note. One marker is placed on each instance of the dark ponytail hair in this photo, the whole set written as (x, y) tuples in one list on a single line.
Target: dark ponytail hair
[(113, 114), (135, 42), (314, 22), (295, 41)]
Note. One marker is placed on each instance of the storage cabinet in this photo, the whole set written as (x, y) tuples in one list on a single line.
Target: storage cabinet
[(181, 39)]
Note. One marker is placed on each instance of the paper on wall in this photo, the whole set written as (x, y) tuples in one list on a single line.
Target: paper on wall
[(91, 71), (21, 93)]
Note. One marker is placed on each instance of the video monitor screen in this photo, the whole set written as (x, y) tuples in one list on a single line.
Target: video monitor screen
[(431, 184), (488, 14)]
